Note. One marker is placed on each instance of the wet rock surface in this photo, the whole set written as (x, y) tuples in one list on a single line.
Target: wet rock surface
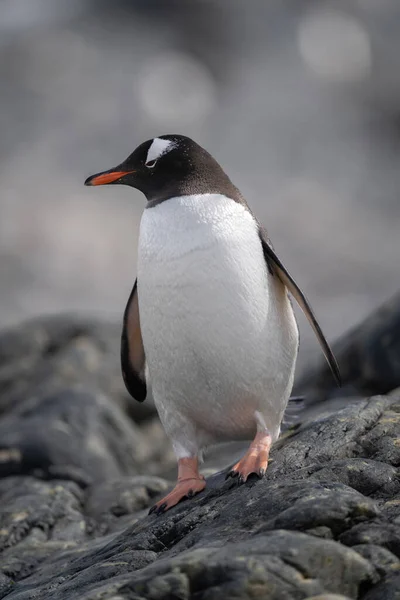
[(80, 466)]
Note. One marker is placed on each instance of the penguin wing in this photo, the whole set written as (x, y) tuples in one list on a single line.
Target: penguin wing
[(133, 359), (276, 267)]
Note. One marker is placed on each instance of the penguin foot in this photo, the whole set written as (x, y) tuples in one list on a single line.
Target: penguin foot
[(190, 483), (255, 460), (186, 488)]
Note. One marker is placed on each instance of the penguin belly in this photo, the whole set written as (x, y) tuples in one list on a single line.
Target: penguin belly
[(218, 328)]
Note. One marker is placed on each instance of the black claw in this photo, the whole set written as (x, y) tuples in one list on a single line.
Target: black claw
[(158, 510), (161, 508), (240, 479), (261, 473), (190, 494)]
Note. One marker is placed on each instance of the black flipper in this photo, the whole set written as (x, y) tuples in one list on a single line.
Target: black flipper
[(280, 270), (133, 358)]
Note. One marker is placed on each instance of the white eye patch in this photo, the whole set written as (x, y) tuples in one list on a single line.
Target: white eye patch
[(158, 148)]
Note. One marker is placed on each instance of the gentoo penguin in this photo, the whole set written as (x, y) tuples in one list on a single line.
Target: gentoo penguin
[(209, 322)]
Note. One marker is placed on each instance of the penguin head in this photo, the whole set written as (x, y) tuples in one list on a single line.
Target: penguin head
[(164, 167)]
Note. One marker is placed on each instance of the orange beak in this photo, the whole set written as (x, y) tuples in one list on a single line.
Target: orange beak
[(106, 177)]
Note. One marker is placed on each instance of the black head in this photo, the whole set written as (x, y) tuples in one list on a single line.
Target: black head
[(169, 166)]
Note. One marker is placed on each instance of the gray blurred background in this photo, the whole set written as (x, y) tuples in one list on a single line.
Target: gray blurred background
[(298, 100)]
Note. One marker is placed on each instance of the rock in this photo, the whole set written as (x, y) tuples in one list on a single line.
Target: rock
[(277, 565), (328, 597), (380, 533), (73, 434), (368, 357), (389, 589), (112, 503), (384, 561), (295, 534), (53, 353), (65, 410), (79, 474)]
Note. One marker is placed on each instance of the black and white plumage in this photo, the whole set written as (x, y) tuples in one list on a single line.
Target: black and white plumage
[(209, 316)]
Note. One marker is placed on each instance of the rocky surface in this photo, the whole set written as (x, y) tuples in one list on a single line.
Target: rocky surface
[(80, 465), (368, 356)]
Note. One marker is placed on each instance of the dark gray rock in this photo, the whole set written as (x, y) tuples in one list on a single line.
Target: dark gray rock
[(57, 378), (328, 597), (380, 533), (368, 357), (79, 474), (385, 562), (112, 503), (53, 353), (6, 585), (391, 508), (278, 565), (389, 589), (295, 534), (73, 434)]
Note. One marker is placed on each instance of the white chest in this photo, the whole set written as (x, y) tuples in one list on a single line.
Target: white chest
[(199, 255), (212, 316)]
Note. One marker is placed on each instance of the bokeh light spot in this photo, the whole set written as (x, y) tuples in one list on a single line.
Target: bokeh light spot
[(175, 88), (334, 45)]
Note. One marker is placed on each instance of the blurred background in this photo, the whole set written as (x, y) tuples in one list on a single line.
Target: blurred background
[(298, 100)]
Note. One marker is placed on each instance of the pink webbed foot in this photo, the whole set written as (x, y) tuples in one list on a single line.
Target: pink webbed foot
[(190, 483), (255, 460)]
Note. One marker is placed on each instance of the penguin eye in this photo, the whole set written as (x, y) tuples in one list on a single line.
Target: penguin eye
[(151, 164)]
